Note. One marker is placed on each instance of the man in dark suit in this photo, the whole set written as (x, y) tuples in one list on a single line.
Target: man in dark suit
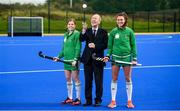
[(96, 42)]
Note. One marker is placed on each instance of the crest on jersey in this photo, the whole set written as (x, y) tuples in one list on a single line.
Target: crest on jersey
[(117, 36)]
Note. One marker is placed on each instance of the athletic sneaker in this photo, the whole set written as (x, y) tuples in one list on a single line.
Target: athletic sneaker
[(76, 102), (67, 101), (130, 104), (112, 104)]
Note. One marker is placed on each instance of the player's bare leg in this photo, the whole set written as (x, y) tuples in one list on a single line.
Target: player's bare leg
[(129, 86), (75, 75), (69, 87), (115, 73)]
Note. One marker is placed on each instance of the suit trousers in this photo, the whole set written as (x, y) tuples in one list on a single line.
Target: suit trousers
[(93, 70)]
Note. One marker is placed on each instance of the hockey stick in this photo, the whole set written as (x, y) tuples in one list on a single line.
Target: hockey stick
[(116, 61), (52, 58)]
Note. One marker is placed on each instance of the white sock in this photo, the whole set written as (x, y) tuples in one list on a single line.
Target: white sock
[(78, 89), (129, 88), (113, 90), (70, 89)]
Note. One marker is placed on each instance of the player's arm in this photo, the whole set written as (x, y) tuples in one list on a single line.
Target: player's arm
[(77, 47), (110, 44), (133, 47)]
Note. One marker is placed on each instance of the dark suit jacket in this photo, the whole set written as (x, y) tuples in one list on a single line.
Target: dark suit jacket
[(100, 41)]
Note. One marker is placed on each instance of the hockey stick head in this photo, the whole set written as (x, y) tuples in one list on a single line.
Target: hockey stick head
[(97, 58), (41, 54), (52, 58), (94, 56)]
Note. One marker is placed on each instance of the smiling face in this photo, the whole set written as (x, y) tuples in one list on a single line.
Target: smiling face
[(95, 20), (71, 25), (120, 20)]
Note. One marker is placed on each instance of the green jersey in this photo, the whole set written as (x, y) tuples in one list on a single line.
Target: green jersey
[(71, 48), (122, 43)]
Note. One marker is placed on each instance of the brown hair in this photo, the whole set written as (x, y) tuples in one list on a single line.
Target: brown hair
[(125, 17), (71, 19)]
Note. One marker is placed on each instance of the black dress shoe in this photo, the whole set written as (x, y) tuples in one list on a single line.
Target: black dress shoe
[(87, 104), (97, 102)]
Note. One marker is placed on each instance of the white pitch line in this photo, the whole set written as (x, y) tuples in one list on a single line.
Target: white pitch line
[(35, 71), (62, 70), (29, 44), (156, 66)]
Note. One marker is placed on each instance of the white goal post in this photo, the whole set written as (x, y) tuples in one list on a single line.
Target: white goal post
[(26, 26)]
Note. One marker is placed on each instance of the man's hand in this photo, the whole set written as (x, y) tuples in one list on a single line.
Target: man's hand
[(91, 45), (84, 27)]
